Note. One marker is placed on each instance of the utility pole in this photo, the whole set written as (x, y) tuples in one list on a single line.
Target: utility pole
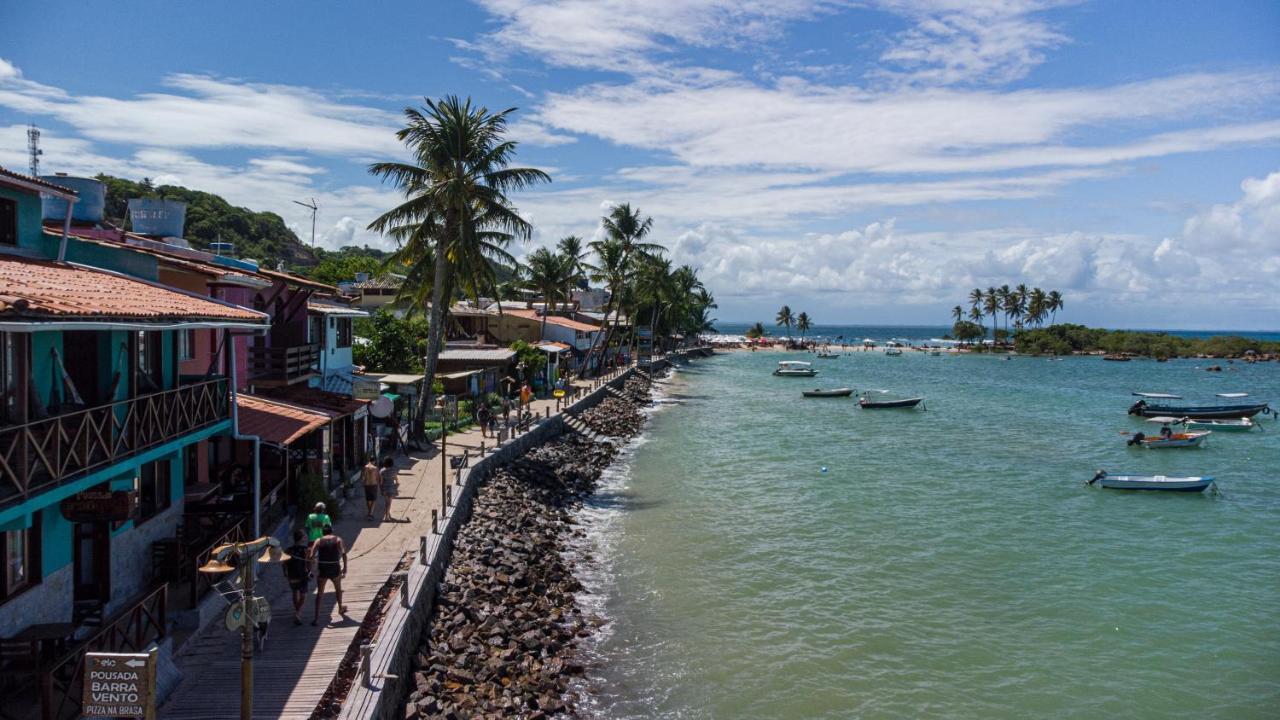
[(313, 207)]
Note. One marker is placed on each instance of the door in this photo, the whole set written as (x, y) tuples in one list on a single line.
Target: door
[(82, 358), (92, 562)]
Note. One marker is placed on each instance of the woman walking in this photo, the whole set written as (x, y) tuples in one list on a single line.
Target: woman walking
[(330, 556), (390, 487)]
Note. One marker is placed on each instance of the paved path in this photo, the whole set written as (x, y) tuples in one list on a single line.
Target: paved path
[(293, 672)]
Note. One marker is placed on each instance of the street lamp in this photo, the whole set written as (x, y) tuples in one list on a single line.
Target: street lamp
[(246, 613)]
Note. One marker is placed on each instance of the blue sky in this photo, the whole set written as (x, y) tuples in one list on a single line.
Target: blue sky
[(864, 161)]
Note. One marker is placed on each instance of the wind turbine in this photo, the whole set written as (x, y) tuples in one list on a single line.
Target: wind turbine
[(313, 207)]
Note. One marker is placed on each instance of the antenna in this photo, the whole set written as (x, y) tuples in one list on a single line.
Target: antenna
[(313, 208), (33, 149)]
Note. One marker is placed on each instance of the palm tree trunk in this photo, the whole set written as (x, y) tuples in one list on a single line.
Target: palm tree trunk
[(434, 329), (586, 362)]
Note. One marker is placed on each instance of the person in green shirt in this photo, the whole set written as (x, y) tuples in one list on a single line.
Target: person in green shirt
[(316, 523)]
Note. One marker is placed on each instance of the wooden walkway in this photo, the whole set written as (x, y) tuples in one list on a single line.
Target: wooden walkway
[(298, 663)]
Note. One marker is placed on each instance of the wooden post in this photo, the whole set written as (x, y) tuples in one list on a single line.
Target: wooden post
[(246, 638), (434, 530)]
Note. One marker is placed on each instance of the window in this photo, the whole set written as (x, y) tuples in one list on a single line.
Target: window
[(8, 222), (344, 332), (315, 331), (20, 550), (12, 381), (150, 372), (186, 344), (152, 484)]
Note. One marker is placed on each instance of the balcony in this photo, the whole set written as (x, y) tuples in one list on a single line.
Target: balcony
[(42, 454), (279, 366)]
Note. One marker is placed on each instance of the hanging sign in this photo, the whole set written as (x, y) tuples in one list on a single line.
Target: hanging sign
[(365, 389), (100, 506), (119, 685)]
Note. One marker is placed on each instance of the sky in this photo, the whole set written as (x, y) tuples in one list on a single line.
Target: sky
[(865, 161)]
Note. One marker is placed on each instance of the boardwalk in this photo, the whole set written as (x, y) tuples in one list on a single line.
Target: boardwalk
[(293, 672)]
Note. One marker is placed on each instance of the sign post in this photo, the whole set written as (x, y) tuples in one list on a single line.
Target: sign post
[(120, 685)]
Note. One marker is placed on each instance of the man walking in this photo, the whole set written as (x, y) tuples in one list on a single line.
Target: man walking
[(316, 523), (369, 475), (330, 556), (296, 572), (390, 487)]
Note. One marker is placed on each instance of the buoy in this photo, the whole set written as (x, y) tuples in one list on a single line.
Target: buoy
[(824, 468)]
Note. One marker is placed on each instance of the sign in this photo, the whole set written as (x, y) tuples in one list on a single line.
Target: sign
[(100, 506), (119, 685), (365, 389)]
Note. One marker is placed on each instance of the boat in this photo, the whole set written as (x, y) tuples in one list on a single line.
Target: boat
[(827, 355), (1127, 481), (1199, 412), (1171, 440), (868, 404), (935, 353), (1116, 358), (1235, 425), (893, 351), (1157, 396), (794, 368), (820, 393)]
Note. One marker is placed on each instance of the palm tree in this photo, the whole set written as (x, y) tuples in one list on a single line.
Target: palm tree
[(992, 305), (455, 192), (976, 316), (957, 312), (1055, 304), (802, 324), (1004, 296), (610, 269), (757, 331), (625, 227), (975, 298), (571, 247), (784, 318), (1021, 297), (1037, 306), (547, 273)]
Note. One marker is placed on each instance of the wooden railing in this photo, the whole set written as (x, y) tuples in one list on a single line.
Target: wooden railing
[(46, 453), (283, 364), (132, 629)]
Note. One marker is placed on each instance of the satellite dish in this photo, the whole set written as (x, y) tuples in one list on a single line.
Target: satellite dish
[(382, 407)]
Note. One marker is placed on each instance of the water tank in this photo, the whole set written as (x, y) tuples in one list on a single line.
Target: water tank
[(88, 208), (149, 216)]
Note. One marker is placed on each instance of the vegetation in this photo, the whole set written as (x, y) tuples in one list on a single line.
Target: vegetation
[(530, 358), (336, 267), (1068, 338), (784, 318), (1024, 306), (262, 236), (551, 275), (456, 218), (311, 490), (389, 343), (757, 331), (803, 323), (966, 331)]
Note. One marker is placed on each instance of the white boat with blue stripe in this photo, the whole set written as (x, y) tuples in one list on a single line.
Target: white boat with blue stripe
[(1129, 481)]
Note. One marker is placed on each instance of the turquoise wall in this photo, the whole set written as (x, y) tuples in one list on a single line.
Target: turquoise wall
[(29, 232), (120, 260)]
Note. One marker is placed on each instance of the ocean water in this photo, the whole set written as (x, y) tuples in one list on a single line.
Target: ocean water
[(950, 563), (920, 334)]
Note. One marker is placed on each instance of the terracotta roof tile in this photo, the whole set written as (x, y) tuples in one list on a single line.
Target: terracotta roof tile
[(277, 422), (42, 289), (37, 181), (553, 320)]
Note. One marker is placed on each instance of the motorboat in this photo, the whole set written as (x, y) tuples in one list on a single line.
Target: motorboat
[(866, 403), (1228, 425), (794, 368), (827, 355), (1126, 481), (820, 393), (1117, 358), (893, 351), (1199, 412), (1170, 440)]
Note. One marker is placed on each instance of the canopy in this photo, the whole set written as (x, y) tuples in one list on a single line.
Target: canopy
[(1232, 395), (1159, 396)]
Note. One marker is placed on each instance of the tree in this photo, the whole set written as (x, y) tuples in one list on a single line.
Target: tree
[(625, 227), (992, 305), (957, 313), (455, 191), (548, 273), (1055, 304), (784, 318), (571, 247), (757, 331), (387, 343), (335, 268), (802, 323), (966, 331), (1037, 306)]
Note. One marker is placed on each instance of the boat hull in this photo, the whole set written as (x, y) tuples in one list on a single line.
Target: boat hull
[(1205, 412), (888, 404), (795, 373), (1180, 440), (1242, 425), (839, 392), (1155, 482)]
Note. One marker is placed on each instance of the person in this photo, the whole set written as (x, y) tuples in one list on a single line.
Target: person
[(369, 475), (1166, 432), (483, 416), (297, 573), (526, 394), (316, 523), (506, 410), (390, 487), (329, 554)]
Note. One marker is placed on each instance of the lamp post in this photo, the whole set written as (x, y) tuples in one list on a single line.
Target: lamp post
[(247, 554)]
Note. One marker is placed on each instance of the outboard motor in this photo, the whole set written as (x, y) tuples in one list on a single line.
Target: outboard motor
[(1137, 438), (1097, 476), (1137, 407)]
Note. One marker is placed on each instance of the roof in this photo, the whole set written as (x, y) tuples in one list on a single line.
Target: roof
[(277, 422), (112, 238), (554, 320), (286, 277), (459, 310), (382, 281), (459, 374), (43, 290), (549, 346), (26, 182), (337, 310), (317, 399), (497, 355), (395, 378)]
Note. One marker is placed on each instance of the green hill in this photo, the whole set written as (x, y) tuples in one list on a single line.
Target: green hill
[(262, 236)]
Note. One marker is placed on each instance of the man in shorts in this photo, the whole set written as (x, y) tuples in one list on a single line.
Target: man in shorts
[(369, 476), (330, 557), (296, 572), (316, 523), (390, 487)]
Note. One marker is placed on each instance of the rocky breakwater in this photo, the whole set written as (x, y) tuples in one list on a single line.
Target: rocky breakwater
[(502, 639), (620, 415)]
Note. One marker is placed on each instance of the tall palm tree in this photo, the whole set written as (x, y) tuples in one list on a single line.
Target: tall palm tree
[(1021, 296), (992, 305), (624, 226), (975, 298), (757, 331), (611, 269), (1037, 306), (547, 273), (976, 316), (785, 318), (455, 191), (1055, 304), (571, 247), (1004, 295), (803, 324), (957, 312)]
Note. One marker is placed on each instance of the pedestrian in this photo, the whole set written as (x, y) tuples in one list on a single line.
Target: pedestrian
[(506, 410), (316, 523), (330, 556), (484, 416), (526, 394), (369, 475), (297, 572), (390, 487)]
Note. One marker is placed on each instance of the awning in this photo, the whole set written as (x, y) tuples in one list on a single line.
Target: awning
[(336, 310), (395, 378), (391, 396), (276, 422), (554, 347), (317, 399)]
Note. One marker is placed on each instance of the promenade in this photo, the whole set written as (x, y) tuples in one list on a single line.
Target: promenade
[(293, 672)]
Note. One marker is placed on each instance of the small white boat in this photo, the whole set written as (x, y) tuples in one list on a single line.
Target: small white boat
[(1125, 481), (794, 368), (827, 355), (820, 393), (1171, 440), (1229, 425), (893, 351)]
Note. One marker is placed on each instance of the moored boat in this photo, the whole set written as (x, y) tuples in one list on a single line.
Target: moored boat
[(827, 355), (794, 368), (1127, 481), (1117, 358), (820, 393), (1199, 412), (893, 351), (867, 403), (1171, 440), (1228, 425)]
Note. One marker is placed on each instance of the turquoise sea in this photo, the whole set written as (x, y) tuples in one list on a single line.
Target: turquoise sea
[(950, 562)]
